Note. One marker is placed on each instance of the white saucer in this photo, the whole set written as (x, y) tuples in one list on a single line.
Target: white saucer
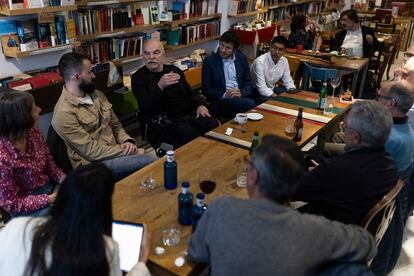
[(254, 116)]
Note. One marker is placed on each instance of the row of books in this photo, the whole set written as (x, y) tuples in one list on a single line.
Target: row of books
[(102, 20), (203, 7), (243, 6), (109, 19), (114, 48), (280, 14), (187, 34), (26, 35), (25, 4)]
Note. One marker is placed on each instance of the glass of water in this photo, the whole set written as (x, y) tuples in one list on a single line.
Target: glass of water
[(149, 183), (330, 104), (241, 174), (171, 235)]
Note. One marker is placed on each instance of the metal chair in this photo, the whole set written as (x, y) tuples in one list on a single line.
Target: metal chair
[(318, 73), (385, 209)]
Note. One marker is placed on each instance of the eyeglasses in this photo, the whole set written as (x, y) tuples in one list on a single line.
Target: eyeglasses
[(278, 49), (379, 96), (408, 55)]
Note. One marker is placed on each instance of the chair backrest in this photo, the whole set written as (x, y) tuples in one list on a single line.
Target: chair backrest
[(58, 150), (385, 28), (293, 66), (385, 208), (318, 73)]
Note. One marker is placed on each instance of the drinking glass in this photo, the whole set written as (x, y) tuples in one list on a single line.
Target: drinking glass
[(241, 174), (330, 104), (149, 183), (335, 82), (207, 181), (171, 235), (290, 130)]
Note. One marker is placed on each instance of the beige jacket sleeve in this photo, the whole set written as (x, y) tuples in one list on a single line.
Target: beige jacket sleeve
[(119, 132), (67, 126)]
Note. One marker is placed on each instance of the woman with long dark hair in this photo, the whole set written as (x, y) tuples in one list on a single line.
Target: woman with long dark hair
[(76, 238), (27, 170), (301, 32)]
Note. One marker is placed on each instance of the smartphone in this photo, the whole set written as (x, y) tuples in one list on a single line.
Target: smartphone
[(129, 237)]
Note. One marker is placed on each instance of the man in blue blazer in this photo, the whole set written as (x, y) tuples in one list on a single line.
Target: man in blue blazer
[(226, 78)]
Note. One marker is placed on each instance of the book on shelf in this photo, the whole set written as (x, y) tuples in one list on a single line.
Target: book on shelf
[(105, 50), (102, 20), (190, 33), (16, 4), (154, 15), (27, 33), (10, 44), (240, 7), (31, 4), (203, 7), (67, 2)]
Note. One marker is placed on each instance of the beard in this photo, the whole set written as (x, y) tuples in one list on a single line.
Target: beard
[(88, 88)]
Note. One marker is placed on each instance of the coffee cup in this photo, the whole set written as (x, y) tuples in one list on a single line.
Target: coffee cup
[(299, 48), (241, 118)]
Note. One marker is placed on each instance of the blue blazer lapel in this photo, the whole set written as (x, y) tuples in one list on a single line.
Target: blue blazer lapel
[(220, 71)]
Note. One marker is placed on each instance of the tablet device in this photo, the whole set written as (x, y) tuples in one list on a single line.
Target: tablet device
[(129, 237)]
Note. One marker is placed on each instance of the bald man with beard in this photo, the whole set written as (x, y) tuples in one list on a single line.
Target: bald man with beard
[(169, 109)]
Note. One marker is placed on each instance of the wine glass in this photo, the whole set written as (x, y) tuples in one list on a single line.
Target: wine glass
[(207, 182), (335, 82)]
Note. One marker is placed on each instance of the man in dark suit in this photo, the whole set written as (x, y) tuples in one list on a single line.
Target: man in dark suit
[(226, 78), (360, 38), (346, 187)]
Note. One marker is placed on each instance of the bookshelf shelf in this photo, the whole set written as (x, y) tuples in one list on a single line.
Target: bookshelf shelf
[(247, 13), (174, 24), (41, 51), (129, 59), (173, 48), (116, 32), (16, 12)]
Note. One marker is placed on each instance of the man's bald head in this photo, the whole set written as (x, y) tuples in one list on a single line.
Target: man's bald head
[(154, 55), (408, 71)]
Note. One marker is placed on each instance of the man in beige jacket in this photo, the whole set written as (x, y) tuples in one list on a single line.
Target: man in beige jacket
[(84, 119)]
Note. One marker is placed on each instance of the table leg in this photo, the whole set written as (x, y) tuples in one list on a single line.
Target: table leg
[(354, 82), (363, 79)]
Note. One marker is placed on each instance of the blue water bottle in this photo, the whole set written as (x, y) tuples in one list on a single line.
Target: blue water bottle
[(198, 210), (185, 204), (170, 171)]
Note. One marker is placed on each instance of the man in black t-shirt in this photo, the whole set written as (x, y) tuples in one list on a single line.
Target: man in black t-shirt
[(170, 110)]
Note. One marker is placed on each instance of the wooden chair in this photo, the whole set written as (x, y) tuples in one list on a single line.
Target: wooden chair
[(385, 209), (316, 73), (385, 28), (294, 66)]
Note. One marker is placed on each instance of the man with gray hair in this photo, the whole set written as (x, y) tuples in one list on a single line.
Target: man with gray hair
[(398, 97), (347, 186), (259, 236)]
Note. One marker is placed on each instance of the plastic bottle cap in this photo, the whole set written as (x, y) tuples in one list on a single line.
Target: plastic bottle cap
[(170, 152), (159, 250), (185, 184), (200, 196), (180, 261)]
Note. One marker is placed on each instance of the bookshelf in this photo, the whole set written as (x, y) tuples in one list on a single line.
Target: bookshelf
[(117, 32), (174, 24), (41, 51), (5, 11), (173, 48)]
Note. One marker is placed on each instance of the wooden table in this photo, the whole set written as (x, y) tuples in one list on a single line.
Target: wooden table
[(276, 112), (344, 64), (158, 208)]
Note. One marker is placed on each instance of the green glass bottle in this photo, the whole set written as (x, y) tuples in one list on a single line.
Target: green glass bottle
[(323, 96), (255, 141)]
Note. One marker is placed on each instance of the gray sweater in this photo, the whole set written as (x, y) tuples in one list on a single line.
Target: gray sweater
[(258, 237)]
